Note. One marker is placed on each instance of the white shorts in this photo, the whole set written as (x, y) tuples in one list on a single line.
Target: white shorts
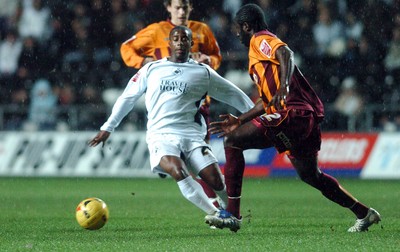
[(196, 153)]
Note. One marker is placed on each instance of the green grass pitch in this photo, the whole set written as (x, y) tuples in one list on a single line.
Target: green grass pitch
[(38, 214)]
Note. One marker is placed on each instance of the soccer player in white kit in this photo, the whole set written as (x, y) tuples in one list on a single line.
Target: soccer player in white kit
[(174, 90)]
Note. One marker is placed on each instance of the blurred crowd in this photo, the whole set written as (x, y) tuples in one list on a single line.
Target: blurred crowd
[(57, 54)]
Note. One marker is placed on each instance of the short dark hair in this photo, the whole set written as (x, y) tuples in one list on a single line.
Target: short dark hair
[(168, 2), (253, 15), (184, 28)]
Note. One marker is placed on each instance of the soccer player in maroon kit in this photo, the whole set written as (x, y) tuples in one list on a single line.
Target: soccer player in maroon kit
[(286, 117)]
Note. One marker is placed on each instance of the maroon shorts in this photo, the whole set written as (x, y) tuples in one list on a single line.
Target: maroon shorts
[(295, 131)]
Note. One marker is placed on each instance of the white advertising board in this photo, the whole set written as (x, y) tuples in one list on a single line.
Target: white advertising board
[(384, 160), (67, 154)]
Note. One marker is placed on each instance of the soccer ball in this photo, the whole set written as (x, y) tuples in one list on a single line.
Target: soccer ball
[(92, 213)]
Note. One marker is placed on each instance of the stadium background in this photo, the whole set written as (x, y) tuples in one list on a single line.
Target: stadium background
[(60, 72)]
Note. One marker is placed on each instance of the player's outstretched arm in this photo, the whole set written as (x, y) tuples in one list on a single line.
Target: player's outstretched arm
[(230, 122), (227, 124), (101, 137)]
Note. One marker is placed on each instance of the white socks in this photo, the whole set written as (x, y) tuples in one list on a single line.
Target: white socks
[(193, 191), (223, 196)]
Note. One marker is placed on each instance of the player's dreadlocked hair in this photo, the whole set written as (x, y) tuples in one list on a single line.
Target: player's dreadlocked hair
[(253, 15)]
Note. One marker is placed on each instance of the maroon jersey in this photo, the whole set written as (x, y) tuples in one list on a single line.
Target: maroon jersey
[(302, 95), (264, 70)]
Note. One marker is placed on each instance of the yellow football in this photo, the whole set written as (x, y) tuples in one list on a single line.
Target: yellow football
[(92, 213)]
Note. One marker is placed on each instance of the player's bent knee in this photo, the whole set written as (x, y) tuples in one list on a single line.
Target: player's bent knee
[(311, 179), (230, 141), (178, 173), (218, 186), (213, 180)]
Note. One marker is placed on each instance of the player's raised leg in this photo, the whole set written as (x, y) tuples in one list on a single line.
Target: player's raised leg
[(209, 190), (308, 171), (213, 182), (249, 135), (203, 163), (190, 189)]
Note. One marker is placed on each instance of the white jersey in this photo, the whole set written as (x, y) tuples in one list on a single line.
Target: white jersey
[(174, 93)]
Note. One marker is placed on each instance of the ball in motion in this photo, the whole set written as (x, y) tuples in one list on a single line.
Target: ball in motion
[(92, 213)]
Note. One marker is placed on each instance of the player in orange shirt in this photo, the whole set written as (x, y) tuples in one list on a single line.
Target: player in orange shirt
[(152, 43), (286, 117)]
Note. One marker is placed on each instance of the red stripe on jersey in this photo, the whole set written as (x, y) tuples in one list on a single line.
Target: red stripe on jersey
[(257, 81), (157, 53), (270, 78)]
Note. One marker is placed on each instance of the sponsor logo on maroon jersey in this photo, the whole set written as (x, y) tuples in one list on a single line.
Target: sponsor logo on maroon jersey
[(265, 48)]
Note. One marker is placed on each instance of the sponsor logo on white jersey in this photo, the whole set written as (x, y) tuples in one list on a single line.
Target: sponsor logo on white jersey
[(175, 87), (178, 72)]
